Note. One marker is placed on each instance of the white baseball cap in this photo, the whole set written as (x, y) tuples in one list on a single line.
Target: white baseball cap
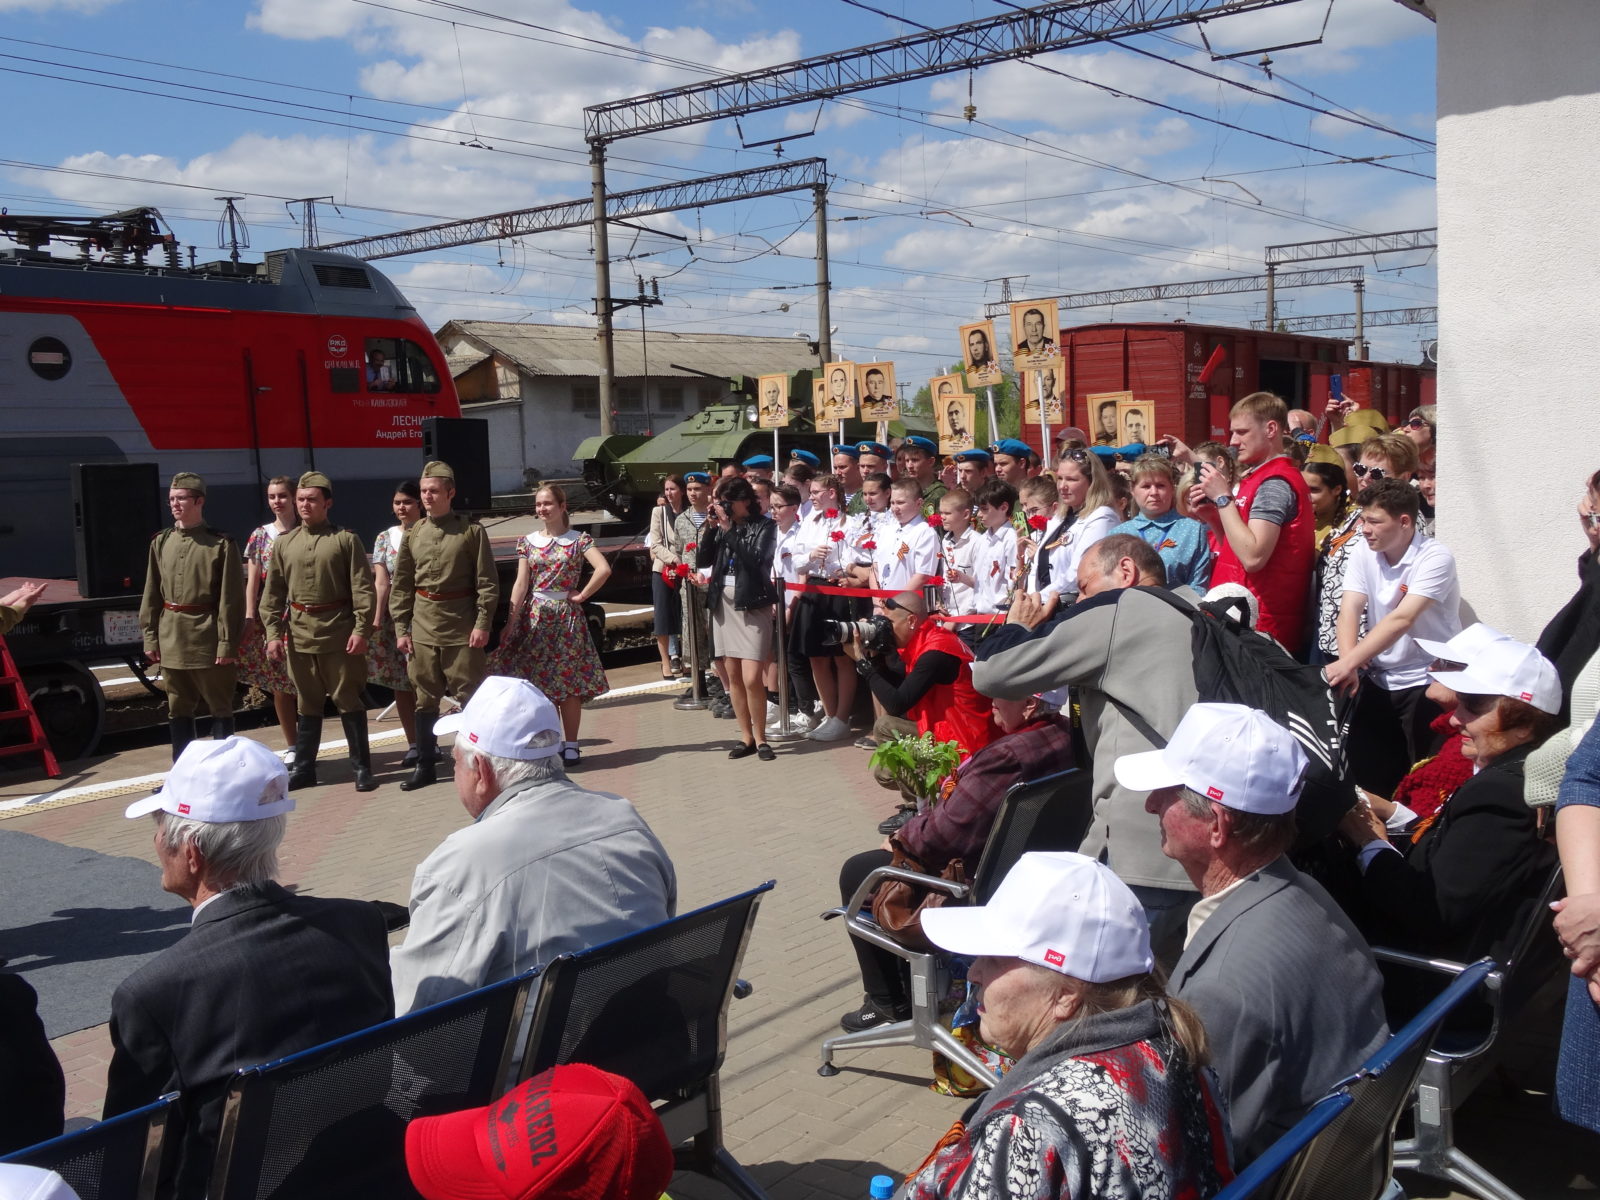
[(1064, 911), (1237, 756), (1465, 645), (1507, 668), (509, 718), (234, 779), (18, 1182)]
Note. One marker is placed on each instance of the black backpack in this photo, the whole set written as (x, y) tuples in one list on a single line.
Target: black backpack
[(1233, 665)]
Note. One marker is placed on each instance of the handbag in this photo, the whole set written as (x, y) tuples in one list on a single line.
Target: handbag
[(897, 906)]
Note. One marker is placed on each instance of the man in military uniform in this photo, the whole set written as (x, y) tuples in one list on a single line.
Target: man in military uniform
[(320, 607), (918, 459), (443, 601), (15, 605), (193, 613)]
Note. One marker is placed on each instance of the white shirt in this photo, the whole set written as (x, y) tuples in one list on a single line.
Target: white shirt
[(816, 530), (1427, 568), (904, 551), (1203, 908), (1068, 552), (994, 561), (865, 527), (789, 559), (958, 552)]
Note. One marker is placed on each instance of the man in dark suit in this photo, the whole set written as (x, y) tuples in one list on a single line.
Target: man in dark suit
[(262, 973), (1288, 990)]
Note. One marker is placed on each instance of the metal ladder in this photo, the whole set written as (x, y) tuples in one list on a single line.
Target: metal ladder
[(18, 706)]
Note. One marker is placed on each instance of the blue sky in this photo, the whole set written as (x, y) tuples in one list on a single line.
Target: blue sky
[(1074, 187)]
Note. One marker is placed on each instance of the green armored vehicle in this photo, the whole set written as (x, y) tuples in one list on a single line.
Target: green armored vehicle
[(624, 471)]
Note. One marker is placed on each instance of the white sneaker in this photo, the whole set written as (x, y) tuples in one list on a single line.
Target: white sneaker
[(832, 729), (772, 712), (288, 758), (798, 723)]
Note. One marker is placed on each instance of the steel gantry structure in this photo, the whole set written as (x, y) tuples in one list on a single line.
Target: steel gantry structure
[(1345, 247), (1195, 287), (1013, 34), (1425, 315), (773, 180)]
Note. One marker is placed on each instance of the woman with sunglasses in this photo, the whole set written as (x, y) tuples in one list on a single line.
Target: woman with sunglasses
[(1422, 427), (737, 543), (1084, 514), (1463, 883)]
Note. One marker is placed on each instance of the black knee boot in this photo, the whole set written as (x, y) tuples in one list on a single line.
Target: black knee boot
[(427, 748), (182, 735), (308, 737), (221, 727), (355, 734)]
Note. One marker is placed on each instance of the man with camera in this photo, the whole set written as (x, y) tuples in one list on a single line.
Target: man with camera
[(921, 673)]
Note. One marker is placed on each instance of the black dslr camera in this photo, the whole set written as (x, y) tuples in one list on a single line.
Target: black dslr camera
[(876, 633)]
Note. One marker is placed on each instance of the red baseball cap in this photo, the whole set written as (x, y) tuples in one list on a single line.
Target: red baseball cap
[(573, 1132)]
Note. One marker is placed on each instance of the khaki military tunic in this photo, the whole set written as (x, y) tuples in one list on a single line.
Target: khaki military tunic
[(9, 617), (445, 588), (192, 614), (318, 593), (931, 497)]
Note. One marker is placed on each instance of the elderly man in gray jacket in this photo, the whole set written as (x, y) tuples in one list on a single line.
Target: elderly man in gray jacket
[(1126, 655), (1287, 988), (547, 867)]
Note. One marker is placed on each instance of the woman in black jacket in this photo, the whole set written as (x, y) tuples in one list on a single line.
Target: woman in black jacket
[(1464, 882), (736, 543)]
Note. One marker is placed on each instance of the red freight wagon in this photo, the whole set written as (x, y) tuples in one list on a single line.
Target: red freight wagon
[(1190, 375), (1394, 389)]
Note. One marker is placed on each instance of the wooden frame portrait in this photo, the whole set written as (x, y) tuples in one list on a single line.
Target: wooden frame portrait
[(1035, 334), (980, 359), (1053, 381), (1135, 422), (819, 412), (772, 401), (875, 387), (839, 391), (1102, 420), (945, 385), (956, 419)]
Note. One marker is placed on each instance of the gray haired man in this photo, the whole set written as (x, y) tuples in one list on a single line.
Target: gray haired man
[(546, 867), (261, 973), (1288, 990)]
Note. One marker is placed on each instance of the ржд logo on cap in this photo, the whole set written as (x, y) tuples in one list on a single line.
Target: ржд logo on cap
[(1214, 793), (1054, 957)]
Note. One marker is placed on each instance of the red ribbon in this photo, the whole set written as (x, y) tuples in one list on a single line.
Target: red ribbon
[(828, 589)]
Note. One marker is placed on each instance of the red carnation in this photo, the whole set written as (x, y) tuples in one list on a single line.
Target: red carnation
[(1038, 523), (683, 570), (837, 535), (869, 544), (831, 514), (935, 520), (667, 577), (691, 547)]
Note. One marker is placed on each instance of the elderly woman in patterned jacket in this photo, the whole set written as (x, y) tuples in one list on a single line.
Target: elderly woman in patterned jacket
[(1110, 1097)]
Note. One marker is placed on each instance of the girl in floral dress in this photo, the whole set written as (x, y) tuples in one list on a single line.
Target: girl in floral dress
[(254, 665), (385, 665), (546, 640)]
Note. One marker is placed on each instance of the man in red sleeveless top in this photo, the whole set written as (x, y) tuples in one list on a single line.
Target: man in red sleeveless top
[(1264, 526), (927, 686)]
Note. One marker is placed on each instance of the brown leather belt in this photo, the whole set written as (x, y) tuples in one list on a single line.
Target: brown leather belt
[(189, 608), (461, 595), (318, 608)]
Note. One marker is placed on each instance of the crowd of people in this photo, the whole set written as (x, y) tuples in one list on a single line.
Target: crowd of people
[(1169, 999)]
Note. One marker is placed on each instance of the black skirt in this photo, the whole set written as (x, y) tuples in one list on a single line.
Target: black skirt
[(668, 618), (811, 612)]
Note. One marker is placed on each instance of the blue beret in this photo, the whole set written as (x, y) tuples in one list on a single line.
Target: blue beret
[(1305, 436), (696, 477), (805, 456), (877, 448), (977, 456), (1014, 447), (917, 442), (757, 460), (848, 451), (1107, 454)]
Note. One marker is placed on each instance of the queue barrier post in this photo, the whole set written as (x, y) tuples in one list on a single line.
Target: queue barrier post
[(786, 730), (696, 699)]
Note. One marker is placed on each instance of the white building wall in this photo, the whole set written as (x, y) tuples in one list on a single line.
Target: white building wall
[(1519, 296)]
